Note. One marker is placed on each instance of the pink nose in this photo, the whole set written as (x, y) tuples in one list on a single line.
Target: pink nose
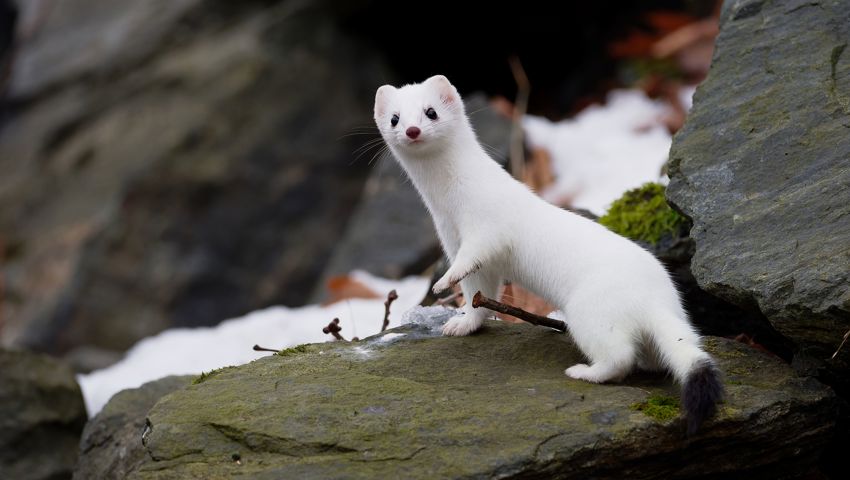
[(413, 132)]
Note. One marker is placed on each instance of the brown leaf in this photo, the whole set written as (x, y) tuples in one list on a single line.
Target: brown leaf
[(343, 287)]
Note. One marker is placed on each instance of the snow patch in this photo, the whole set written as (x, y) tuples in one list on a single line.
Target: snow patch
[(182, 351), (604, 150)]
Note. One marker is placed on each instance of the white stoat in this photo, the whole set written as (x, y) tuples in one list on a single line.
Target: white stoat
[(621, 307)]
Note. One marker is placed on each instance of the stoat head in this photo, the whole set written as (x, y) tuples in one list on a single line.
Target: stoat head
[(421, 118)]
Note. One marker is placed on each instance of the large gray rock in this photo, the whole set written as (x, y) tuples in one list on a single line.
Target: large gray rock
[(111, 446), (391, 233), (73, 38), (41, 417), (179, 190), (494, 404), (762, 166)]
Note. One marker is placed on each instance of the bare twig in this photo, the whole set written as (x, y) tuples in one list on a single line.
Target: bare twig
[(258, 348), (517, 153), (454, 296), (333, 328), (392, 296), (846, 335), (480, 300)]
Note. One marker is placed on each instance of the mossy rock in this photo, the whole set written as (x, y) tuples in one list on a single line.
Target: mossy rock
[(643, 214), (118, 428), (494, 404)]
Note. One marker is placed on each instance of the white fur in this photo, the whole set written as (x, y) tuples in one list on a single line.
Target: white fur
[(621, 307)]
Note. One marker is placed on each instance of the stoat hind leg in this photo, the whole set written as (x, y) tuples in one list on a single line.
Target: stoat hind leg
[(483, 280), (611, 350)]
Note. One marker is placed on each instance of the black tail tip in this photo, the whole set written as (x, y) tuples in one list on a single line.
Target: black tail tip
[(702, 392)]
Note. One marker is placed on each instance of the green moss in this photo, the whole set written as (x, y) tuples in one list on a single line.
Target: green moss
[(293, 350), (643, 214), (204, 376), (659, 407)]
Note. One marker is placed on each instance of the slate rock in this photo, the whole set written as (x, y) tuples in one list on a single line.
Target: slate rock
[(494, 404), (179, 190), (41, 417), (111, 445), (762, 167)]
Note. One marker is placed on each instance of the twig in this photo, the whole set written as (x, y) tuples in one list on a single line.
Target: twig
[(333, 328), (846, 335), (480, 300), (258, 348), (454, 296), (392, 296), (517, 153)]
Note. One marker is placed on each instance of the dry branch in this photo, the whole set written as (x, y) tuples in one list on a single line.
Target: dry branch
[(392, 296), (451, 298), (258, 348), (517, 154), (480, 300), (333, 328)]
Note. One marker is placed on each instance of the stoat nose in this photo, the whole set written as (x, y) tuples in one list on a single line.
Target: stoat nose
[(413, 132)]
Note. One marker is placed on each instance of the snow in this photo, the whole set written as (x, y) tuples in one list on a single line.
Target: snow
[(605, 149), (182, 351)]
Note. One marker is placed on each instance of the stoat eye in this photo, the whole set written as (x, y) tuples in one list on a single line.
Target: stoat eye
[(394, 120), (430, 113)]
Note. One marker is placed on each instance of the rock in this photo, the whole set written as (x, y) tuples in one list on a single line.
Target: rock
[(70, 40), (111, 445), (762, 167), (411, 403), (178, 191), (391, 233), (86, 359), (41, 417)]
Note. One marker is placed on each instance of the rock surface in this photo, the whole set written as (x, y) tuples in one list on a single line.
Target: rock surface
[(414, 404), (175, 187), (111, 446), (762, 166), (391, 233), (42, 417), (70, 40)]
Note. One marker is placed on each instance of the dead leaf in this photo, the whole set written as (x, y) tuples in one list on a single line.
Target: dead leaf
[(343, 287)]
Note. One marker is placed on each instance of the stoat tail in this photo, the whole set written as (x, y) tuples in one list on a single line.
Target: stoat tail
[(678, 346)]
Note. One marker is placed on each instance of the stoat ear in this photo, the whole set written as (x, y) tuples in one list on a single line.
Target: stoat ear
[(448, 93), (382, 99)]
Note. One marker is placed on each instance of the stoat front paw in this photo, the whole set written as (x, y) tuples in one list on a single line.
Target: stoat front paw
[(460, 325), (441, 285)]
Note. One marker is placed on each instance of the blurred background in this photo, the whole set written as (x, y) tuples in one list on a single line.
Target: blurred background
[(175, 163)]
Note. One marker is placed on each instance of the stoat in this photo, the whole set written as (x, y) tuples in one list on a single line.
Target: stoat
[(622, 309)]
